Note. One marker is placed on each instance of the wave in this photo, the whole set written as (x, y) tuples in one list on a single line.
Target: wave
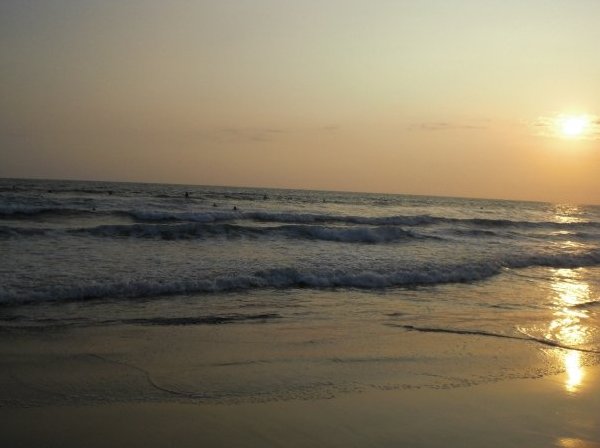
[(279, 278), (281, 217), (368, 234), (214, 216), (286, 278), (586, 305), (33, 212), (476, 233), (25, 211), (313, 218), (311, 232), (12, 232)]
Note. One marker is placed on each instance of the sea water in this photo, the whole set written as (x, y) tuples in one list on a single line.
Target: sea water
[(291, 292)]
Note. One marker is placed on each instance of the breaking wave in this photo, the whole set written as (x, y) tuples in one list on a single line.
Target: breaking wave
[(284, 278), (213, 216), (344, 234), (312, 218), (371, 234)]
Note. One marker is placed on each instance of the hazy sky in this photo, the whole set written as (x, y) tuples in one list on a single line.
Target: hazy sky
[(424, 97)]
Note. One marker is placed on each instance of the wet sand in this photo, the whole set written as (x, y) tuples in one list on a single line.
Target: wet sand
[(513, 413), (125, 386)]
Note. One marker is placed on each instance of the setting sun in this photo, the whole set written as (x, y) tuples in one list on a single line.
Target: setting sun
[(574, 125)]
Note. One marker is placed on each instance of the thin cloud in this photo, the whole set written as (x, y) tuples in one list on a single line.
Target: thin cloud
[(248, 134), (445, 126), (258, 134)]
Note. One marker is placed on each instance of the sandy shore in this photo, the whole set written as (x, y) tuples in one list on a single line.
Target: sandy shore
[(513, 413), (113, 386)]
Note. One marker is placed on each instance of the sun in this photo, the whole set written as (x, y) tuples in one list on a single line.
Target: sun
[(573, 126)]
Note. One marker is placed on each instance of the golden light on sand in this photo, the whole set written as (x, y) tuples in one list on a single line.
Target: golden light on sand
[(568, 442), (574, 371), (574, 126)]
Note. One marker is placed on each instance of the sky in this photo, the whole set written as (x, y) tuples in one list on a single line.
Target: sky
[(455, 98)]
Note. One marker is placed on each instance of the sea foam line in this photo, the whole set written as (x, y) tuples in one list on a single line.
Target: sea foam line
[(286, 278), (526, 337)]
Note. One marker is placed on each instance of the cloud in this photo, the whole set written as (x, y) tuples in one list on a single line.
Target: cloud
[(445, 126), (267, 134), (248, 134)]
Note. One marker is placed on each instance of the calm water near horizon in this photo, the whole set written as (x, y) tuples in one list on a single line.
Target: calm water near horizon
[(349, 288)]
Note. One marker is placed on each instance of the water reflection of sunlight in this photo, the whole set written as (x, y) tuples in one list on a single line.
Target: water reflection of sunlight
[(568, 288), (572, 245), (569, 327), (567, 213)]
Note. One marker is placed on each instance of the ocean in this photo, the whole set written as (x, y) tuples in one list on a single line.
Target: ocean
[(237, 294)]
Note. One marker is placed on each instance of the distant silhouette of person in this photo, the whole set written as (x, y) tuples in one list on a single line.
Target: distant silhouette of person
[(187, 195), (110, 192), (265, 197), (214, 204), (234, 207)]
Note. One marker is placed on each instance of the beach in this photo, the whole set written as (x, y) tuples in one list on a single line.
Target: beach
[(168, 315), (76, 398), (299, 224)]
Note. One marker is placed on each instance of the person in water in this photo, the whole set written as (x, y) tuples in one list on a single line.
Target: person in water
[(187, 195)]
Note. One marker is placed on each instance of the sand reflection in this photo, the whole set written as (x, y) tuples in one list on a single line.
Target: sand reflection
[(569, 326), (567, 442), (574, 371)]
